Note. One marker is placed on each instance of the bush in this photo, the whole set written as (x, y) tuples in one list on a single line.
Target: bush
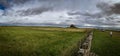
[(72, 26)]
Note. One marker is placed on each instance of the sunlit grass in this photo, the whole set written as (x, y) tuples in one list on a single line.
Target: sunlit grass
[(39, 41)]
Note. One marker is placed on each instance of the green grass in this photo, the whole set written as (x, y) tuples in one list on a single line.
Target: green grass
[(104, 45), (39, 41)]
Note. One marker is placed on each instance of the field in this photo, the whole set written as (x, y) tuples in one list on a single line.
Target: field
[(104, 45), (39, 41)]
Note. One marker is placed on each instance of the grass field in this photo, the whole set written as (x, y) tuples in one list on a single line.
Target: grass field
[(39, 41), (104, 45)]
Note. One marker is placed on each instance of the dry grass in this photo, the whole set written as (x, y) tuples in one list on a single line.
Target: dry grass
[(62, 29)]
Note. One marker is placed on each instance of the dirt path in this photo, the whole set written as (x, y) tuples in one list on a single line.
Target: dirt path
[(84, 49)]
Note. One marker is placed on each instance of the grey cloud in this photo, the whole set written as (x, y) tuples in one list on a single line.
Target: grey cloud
[(9, 3), (86, 14), (33, 11), (74, 13), (47, 5), (109, 9), (116, 8), (5, 3), (104, 7), (106, 10), (19, 1)]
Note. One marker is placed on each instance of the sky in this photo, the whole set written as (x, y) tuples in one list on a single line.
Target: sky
[(95, 13)]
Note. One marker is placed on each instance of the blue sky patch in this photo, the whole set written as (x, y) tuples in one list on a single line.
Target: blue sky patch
[(2, 7)]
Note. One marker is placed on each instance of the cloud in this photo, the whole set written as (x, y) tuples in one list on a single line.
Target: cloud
[(18, 1), (107, 15), (75, 13), (116, 8), (4, 3), (33, 11), (60, 12)]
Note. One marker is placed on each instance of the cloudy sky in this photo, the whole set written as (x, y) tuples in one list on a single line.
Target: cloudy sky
[(104, 13)]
